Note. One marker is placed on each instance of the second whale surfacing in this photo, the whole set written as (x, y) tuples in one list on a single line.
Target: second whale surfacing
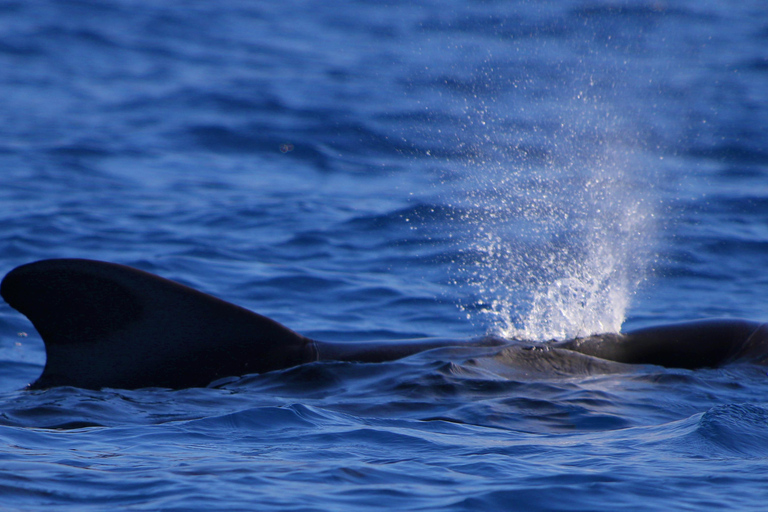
[(107, 325)]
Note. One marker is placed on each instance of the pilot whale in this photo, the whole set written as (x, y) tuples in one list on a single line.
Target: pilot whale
[(107, 325)]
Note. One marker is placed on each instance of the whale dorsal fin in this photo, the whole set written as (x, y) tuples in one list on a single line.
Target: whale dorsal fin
[(109, 325)]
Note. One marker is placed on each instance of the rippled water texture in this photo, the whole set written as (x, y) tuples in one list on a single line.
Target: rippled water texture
[(387, 170)]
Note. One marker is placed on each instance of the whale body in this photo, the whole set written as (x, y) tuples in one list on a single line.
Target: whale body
[(110, 325)]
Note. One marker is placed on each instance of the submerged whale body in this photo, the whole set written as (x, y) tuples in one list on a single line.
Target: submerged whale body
[(109, 325)]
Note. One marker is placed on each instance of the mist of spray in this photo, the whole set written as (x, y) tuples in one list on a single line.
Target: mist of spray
[(557, 244)]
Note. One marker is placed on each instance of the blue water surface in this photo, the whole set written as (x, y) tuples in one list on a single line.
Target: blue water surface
[(364, 170)]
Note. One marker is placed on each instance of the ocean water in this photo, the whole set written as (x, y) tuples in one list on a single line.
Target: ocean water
[(364, 170)]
